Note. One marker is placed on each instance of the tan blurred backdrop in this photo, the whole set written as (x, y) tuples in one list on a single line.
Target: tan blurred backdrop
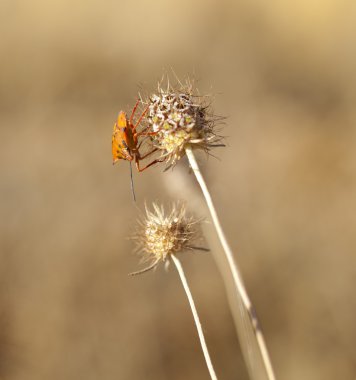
[(284, 75)]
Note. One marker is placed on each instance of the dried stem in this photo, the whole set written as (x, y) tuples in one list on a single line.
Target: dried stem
[(237, 279), (195, 315)]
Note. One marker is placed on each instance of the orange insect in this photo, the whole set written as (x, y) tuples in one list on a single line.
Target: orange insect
[(125, 141)]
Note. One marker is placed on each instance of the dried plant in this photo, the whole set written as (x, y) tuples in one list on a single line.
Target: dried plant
[(162, 234), (160, 237), (180, 119), (178, 122), (182, 122)]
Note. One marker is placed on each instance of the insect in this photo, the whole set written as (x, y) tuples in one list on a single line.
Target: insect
[(125, 141)]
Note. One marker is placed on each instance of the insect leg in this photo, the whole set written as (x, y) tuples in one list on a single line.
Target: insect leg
[(143, 133), (140, 119), (133, 111), (147, 166), (148, 154), (137, 134)]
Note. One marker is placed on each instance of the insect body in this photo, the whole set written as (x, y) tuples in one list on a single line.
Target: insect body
[(125, 143)]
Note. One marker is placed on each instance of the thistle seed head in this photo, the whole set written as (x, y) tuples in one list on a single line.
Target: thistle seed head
[(161, 234), (180, 118)]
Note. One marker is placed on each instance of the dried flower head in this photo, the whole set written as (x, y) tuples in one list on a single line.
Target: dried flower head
[(179, 118), (161, 234)]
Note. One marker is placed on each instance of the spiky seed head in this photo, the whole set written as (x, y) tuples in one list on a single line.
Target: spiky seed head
[(161, 234), (180, 118)]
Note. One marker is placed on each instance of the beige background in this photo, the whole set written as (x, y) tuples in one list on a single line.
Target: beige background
[(283, 74)]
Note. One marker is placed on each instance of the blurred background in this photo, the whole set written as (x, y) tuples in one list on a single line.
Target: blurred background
[(284, 75)]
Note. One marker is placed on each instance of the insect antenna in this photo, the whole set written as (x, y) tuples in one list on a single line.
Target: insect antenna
[(132, 184)]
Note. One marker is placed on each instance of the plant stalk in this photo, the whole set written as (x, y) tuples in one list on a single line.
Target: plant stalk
[(196, 317), (237, 279)]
